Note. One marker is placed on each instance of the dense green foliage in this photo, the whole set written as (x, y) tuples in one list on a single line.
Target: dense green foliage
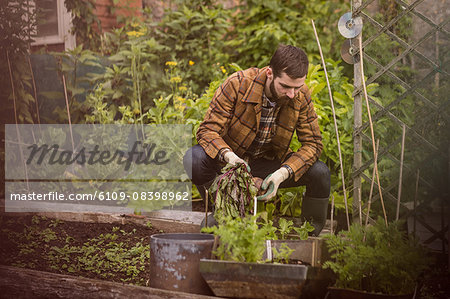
[(243, 239), (86, 24), (16, 23), (117, 253), (166, 71), (262, 25), (376, 258)]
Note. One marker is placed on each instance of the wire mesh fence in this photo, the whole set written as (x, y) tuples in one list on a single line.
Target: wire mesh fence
[(406, 65)]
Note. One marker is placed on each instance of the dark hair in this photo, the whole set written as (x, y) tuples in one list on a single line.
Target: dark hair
[(291, 60)]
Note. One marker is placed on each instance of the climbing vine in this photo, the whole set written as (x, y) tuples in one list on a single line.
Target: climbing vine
[(86, 24)]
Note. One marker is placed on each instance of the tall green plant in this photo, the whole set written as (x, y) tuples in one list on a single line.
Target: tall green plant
[(342, 95), (194, 34), (77, 83), (17, 24), (132, 76), (376, 258)]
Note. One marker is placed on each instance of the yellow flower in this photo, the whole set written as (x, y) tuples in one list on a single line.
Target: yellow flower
[(183, 88), (191, 62), (178, 107), (134, 33), (181, 99), (175, 79), (171, 63), (134, 24), (143, 30), (223, 69)]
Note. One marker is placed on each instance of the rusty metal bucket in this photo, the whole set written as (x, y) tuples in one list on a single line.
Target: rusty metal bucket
[(174, 261)]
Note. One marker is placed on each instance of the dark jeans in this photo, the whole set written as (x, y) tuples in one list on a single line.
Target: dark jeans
[(202, 169)]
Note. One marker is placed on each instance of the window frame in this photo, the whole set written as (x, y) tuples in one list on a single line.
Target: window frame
[(64, 35)]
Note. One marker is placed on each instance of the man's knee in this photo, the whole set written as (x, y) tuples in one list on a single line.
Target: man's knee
[(320, 175), (198, 165), (187, 162), (193, 160)]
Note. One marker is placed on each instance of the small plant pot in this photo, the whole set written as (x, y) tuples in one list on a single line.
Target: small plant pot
[(252, 280), (340, 293), (174, 261)]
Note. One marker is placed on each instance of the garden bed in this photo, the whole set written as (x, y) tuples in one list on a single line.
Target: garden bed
[(117, 250)]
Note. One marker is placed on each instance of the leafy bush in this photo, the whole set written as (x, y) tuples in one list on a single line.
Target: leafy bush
[(261, 25), (17, 97), (376, 258), (242, 239), (193, 35)]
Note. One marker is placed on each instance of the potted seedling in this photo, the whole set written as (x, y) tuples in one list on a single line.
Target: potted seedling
[(246, 264), (374, 261), (241, 269), (233, 194)]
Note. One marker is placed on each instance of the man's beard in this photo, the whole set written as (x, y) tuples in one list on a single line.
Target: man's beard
[(281, 101)]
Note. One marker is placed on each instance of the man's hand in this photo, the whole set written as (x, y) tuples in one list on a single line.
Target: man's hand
[(272, 182), (233, 159)]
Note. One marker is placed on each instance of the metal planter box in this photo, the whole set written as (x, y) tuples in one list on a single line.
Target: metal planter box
[(252, 280), (312, 251)]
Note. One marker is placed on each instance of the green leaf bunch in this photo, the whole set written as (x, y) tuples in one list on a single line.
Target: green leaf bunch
[(285, 227), (242, 239), (376, 258), (86, 24), (233, 192), (261, 25)]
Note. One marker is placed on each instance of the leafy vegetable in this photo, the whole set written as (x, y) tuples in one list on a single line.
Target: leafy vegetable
[(242, 239), (233, 192)]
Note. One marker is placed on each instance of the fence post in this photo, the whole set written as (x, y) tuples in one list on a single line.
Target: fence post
[(357, 115)]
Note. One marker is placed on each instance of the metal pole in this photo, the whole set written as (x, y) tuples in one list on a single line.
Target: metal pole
[(357, 115), (400, 179)]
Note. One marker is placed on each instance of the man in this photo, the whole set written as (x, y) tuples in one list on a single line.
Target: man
[(251, 119)]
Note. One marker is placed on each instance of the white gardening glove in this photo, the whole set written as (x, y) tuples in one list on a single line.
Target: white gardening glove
[(272, 182), (233, 159)]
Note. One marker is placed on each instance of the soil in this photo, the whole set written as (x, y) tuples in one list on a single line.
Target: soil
[(94, 250), (199, 206), (116, 252)]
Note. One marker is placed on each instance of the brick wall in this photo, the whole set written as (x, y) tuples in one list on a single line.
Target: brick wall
[(107, 12)]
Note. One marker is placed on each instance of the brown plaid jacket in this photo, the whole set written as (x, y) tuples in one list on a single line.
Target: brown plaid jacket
[(234, 114)]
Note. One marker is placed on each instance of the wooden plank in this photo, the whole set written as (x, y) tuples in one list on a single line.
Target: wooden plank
[(25, 283), (168, 221)]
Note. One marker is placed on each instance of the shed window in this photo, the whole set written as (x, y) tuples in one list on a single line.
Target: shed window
[(54, 23)]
